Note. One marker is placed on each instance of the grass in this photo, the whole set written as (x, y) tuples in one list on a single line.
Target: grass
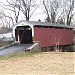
[(5, 44), (18, 55)]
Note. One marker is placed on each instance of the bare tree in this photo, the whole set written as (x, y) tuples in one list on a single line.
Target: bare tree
[(61, 21), (6, 20), (57, 40), (68, 6), (17, 8), (13, 7), (28, 7), (60, 11), (52, 8)]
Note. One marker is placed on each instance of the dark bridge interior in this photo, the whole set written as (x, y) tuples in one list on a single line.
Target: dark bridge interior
[(24, 33)]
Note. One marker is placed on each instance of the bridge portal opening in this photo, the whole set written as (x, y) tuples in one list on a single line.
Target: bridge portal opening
[(23, 34)]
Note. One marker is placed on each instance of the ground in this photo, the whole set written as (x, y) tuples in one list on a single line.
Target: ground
[(46, 63)]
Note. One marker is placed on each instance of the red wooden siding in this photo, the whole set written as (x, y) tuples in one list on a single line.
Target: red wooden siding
[(50, 36)]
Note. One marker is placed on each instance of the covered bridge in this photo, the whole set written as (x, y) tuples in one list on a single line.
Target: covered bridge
[(48, 34)]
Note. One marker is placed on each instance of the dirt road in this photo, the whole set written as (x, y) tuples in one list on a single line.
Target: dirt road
[(47, 63)]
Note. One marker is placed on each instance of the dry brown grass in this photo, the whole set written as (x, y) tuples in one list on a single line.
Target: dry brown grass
[(3, 43), (46, 63)]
